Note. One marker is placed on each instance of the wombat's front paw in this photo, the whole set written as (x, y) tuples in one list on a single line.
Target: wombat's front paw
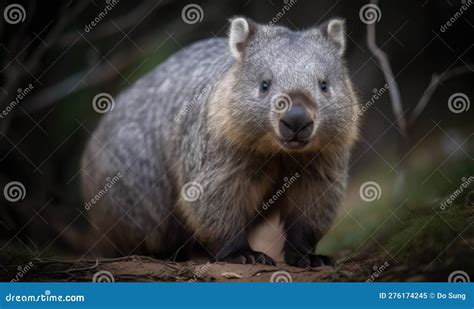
[(309, 260), (250, 257)]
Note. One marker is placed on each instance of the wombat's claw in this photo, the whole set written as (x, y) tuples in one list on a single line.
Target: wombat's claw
[(310, 260), (251, 257)]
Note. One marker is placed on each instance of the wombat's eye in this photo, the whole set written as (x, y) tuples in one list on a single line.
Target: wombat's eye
[(323, 86), (265, 86)]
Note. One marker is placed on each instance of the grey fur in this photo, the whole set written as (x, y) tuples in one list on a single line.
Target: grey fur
[(198, 117)]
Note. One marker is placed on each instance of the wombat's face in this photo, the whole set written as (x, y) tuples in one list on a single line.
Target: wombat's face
[(291, 90)]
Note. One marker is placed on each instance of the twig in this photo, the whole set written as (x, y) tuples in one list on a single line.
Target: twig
[(436, 80), (394, 90), (84, 268)]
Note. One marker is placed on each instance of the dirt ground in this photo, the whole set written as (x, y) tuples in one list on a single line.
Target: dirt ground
[(139, 268), (433, 253)]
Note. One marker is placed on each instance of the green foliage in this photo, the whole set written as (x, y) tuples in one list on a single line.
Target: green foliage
[(420, 227)]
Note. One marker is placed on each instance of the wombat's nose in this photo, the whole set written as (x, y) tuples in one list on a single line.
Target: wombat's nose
[(296, 123)]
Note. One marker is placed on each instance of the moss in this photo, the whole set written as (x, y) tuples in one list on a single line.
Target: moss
[(430, 235)]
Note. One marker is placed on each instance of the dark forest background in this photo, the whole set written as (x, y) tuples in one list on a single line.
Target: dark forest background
[(43, 136)]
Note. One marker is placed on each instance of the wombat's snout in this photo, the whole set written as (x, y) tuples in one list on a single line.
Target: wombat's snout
[(296, 127)]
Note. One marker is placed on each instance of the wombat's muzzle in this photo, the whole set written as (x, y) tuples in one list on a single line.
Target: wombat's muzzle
[(296, 127)]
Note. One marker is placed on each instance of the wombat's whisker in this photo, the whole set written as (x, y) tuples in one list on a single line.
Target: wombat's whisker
[(339, 108)]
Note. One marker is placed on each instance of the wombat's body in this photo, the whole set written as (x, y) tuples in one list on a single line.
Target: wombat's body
[(200, 152)]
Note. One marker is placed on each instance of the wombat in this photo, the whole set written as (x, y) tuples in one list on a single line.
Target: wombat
[(220, 137)]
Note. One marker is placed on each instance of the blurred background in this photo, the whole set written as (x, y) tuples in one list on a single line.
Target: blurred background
[(55, 57)]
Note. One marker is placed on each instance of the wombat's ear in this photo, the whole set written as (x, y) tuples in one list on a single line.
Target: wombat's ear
[(334, 30), (240, 32)]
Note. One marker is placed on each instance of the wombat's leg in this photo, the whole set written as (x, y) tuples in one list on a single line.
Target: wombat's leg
[(313, 200), (221, 216), (301, 244)]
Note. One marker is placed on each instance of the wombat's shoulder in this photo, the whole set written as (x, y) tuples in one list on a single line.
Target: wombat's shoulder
[(175, 81), (189, 67)]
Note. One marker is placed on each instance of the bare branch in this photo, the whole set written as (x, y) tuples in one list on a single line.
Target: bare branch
[(394, 91), (436, 80)]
